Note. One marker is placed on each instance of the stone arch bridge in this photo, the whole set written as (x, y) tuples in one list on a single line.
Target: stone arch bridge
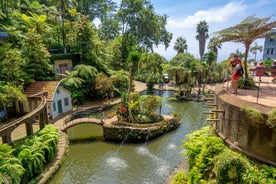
[(79, 121)]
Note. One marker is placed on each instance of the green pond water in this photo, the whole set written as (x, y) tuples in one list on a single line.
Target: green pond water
[(100, 162)]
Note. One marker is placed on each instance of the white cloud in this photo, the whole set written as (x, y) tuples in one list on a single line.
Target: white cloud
[(217, 18), (212, 15)]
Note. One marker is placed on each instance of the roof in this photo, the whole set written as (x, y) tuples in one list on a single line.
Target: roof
[(3, 34), (42, 86)]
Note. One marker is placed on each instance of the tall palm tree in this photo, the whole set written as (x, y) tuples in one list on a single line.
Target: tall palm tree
[(180, 45), (134, 59), (256, 48), (246, 32), (214, 45), (202, 35)]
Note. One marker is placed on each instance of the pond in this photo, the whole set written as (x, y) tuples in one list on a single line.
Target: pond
[(100, 162)]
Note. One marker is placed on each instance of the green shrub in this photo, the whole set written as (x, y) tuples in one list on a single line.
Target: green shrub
[(229, 167), (246, 84), (179, 178), (271, 121), (254, 115), (194, 143), (212, 162)]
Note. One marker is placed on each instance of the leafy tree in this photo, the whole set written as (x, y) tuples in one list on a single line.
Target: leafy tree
[(11, 64), (33, 21), (94, 9), (37, 57), (10, 94), (180, 45), (81, 35), (256, 48), (246, 32), (109, 27), (62, 7), (150, 64), (202, 35), (137, 17)]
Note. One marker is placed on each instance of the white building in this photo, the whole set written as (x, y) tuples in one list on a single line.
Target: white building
[(58, 99), (270, 46)]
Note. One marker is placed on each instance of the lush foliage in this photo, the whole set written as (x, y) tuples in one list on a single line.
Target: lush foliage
[(40, 30), (210, 161), (271, 121), (246, 32), (254, 115), (26, 159), (142, 108)]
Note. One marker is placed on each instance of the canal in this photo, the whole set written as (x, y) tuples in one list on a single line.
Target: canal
[(101, 162)]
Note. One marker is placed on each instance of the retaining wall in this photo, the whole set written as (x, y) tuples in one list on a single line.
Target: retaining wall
[(126, 132), (256, 140)]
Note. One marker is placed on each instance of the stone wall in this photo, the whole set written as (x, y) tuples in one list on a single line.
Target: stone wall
[(136, 134), (256, 140)]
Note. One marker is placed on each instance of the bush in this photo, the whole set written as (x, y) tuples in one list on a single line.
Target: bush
[(271, 121), (246, 84), (179, 178), (212, 162), (229, 167), (254, 115)]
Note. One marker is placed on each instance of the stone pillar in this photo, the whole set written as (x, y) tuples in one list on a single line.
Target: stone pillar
[(29, 126), (7, 138)]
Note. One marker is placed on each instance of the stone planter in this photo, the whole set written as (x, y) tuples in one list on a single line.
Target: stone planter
[(139, 133)]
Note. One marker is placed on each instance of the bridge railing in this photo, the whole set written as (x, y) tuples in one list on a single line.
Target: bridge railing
[(31, 114)]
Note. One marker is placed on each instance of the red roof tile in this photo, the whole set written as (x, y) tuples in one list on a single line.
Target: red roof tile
[(42, 86)]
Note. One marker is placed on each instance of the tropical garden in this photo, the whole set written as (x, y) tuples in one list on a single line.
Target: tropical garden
[(110, 46)]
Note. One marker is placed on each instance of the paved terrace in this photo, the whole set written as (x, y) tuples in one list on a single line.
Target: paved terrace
[(267, 92)]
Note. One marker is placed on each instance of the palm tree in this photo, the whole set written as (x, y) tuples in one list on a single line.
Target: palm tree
[(180, 45), (238, 53), (256, 48), (134, 61), (85, 71), (202, 35), (71, 79), (214, 45), (246, 32)]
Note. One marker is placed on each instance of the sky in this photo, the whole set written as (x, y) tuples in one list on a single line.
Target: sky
[(184, 15)]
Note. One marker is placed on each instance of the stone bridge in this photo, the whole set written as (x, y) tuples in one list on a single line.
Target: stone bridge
[(40, 113), (79, 121)]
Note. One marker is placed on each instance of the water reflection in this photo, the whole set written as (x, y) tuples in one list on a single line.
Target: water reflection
[(101, 162)]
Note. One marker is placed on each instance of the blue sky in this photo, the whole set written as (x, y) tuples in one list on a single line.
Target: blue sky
[(184, 15)]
